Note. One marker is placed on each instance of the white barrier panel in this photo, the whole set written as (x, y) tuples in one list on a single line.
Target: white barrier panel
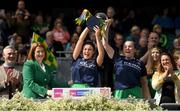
[(75, 93)]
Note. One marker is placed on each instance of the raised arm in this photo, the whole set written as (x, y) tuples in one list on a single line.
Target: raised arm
[(108, 48), (79, 44), (144, 58), (99, 46)]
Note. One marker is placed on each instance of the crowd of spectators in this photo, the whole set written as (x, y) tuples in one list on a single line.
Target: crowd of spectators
[(128, 22)]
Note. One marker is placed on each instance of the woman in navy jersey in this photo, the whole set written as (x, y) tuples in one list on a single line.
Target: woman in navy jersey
[(85, 67), (130, 73)]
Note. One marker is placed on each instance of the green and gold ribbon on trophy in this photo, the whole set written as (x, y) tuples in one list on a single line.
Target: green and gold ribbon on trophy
[(84, 17), (99, 19)]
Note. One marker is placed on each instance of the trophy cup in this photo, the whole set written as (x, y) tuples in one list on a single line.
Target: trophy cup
[(99, 19)]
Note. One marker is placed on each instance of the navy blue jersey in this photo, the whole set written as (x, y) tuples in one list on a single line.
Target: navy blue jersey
[(127, 72), (85, 71)]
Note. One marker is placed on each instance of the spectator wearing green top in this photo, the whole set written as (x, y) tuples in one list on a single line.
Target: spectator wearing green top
[(38, 78)]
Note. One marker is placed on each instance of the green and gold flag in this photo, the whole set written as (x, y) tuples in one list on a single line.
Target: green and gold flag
[(51, 59)]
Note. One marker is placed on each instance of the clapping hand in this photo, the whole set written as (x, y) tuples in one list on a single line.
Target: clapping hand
[(168, 69)]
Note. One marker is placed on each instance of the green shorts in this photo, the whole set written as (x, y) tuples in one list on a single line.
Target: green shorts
[(125, 93), (80, 86)]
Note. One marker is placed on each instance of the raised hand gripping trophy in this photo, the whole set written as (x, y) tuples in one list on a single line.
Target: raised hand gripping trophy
[(100, 19)]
